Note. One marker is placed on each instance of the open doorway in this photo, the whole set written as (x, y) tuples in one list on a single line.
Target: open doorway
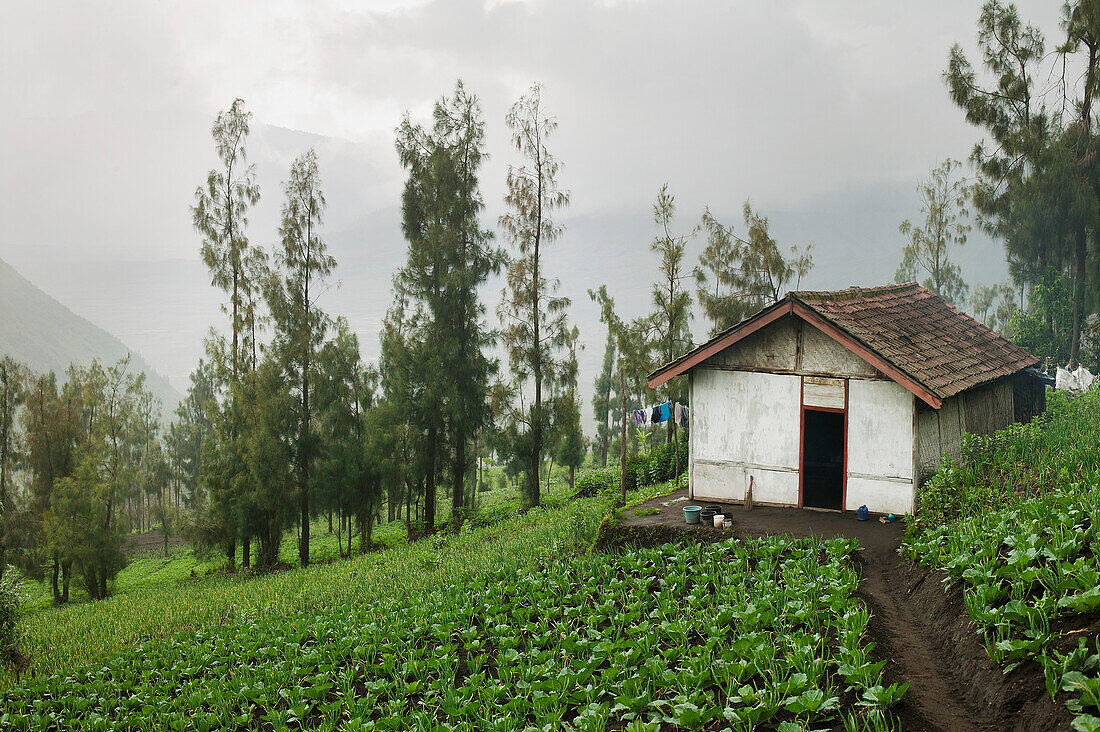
[(823, 459)]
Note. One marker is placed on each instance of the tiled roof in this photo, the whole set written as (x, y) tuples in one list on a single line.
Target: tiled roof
[(910, 332), (938, 345)]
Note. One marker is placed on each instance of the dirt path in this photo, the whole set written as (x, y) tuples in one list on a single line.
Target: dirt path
[(936, 700), (901, 634), (914, 654)]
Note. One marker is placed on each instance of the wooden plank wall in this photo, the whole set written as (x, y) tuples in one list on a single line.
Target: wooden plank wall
[(979, 411)]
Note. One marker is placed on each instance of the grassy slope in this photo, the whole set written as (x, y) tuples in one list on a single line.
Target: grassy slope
[(155, 597), (151, 568)]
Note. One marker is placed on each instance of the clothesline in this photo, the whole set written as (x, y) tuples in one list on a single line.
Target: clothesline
[(675, 411)]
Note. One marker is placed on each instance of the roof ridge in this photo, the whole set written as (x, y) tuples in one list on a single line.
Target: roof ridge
[(855, 291)]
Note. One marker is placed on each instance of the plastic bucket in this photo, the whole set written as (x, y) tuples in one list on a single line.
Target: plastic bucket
[(707, 516), (691, 514)]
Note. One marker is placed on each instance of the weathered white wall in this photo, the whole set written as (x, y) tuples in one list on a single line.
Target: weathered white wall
[(772, 348), (790, 345), (744, 423), (822, 355), (818, 391), (880, 446)]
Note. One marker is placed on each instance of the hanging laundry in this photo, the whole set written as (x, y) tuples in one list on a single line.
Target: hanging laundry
[(684, 416), (654, 415), (677, 413), (662, 412)]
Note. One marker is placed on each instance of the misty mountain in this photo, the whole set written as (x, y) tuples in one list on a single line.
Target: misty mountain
[(43, 334)]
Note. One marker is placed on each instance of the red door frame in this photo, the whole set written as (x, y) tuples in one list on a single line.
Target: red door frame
[(802, 409)]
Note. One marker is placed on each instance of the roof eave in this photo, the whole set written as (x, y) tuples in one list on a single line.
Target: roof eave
[(719, 343)]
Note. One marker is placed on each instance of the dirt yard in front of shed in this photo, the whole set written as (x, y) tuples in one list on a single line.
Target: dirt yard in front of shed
[(919, 628)]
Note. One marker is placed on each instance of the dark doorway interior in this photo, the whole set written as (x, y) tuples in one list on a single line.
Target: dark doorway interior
[(823, 459)]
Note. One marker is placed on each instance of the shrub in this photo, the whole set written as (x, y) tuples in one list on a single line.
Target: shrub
[(641, 470), (1019, 462), (10, 600), (661, 464), (594, 481)]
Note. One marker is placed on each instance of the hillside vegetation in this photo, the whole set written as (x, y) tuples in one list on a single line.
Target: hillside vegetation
[(1017, 523)]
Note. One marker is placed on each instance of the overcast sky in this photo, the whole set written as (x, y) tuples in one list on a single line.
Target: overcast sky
[(105, 108)]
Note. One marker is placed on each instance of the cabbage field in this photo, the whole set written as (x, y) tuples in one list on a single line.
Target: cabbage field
[(738, 635), (1022, 536)]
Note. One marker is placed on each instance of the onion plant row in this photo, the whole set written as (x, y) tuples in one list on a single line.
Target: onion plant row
[(764, 634)]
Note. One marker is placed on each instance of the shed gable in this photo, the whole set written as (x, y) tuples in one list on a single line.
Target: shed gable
[(791, 345)]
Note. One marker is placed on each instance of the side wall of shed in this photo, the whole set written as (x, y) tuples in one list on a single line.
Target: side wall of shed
[(979, 411)]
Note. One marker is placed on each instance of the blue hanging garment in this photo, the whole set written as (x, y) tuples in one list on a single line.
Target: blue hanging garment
[(664, 412)]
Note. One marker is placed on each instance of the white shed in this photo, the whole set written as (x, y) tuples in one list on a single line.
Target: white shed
[(840, 399)]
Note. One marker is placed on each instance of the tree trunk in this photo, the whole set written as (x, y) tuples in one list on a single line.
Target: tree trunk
[(622, 437), (66, 575), (676, 449), (365, 526), (429, 490), (53, 580), (303, 476), (246, 551), (1079, 256), (458, 502)]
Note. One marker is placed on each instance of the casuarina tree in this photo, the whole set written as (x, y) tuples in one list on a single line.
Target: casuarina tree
[(533, 316), (927, 256), (303, 264), (450, 256)]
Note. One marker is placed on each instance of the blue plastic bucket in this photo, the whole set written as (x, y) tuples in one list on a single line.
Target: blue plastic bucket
[(691, 514)]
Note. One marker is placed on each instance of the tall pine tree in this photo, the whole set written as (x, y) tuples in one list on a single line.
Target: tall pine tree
[(449, 257), (299, 324), (532, 314)]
